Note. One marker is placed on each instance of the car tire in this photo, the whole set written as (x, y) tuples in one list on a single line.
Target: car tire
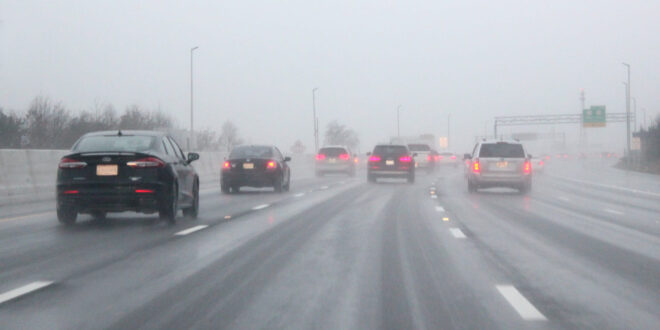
[(99, 215), (235, 189), (225, 188), (66, 216), (170, 206), (193, 211), (278, 185), (287, 186)]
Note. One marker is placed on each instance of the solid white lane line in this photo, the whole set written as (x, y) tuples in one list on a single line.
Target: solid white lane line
[(526, 310), (262, 206), (26, 216), (190, 230), (13, 294), (613, 211), (299, 195), (439, 208), (457, 232)]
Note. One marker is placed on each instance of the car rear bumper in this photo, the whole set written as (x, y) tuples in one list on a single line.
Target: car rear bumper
[(257, 180), (500, 180), (144, 198), (339, 167), (389, 173)]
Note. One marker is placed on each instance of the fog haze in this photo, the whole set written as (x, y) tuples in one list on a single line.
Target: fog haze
[(258, 61)]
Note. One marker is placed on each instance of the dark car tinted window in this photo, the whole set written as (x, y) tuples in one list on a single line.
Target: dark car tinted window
[(127, 143), (419, 147), (251, 152), (333, 152), (390, 150), (503, 150)]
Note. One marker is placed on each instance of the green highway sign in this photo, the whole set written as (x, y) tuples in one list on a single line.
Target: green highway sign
[(594, 116)]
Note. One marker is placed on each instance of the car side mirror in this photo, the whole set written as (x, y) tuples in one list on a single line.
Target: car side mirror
[(192, 156), (369, 153), (287, 159), (467, 156)]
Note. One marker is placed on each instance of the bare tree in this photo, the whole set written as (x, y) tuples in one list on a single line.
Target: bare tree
[(229, 136), (339, 134), (206, 140), (10, 130), (45, 124), (298, 147)]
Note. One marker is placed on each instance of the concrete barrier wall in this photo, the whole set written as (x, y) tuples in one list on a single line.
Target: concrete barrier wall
[(28, 175)]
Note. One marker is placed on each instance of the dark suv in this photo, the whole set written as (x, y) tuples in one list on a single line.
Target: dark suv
[(391, 161)]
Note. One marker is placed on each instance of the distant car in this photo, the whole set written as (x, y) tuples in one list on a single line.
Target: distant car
[(117, 171), (423, 156), (335, 159), (538, 165), (448, 159), (391, 161), (499, 164), (255, 166)]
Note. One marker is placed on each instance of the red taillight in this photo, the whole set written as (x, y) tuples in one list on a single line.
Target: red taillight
[(429, 158), (320, 156), (144, 191), (405, 159), (70, 192), (71, 163), (374, 158), (541, 163), (149, 162), (528, 167), (271, 165), (475, 167), (226, 165), (344, 156), (436, 158), (453, 157)]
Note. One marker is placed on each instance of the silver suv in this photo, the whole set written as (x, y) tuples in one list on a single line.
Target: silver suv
[(499, 164)]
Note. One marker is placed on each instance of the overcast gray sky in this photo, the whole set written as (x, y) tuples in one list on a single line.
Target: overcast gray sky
[(259, 60)]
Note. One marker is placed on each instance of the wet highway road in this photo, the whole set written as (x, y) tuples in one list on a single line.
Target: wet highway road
[(580, 251)]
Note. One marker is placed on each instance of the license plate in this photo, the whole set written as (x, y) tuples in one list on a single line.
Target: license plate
[(502, 164), (107, 170), (332, 160), (389, 162), (248, 166)]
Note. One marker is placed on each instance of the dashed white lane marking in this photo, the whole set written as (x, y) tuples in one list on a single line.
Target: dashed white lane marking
[(457, 232), (299, 195), (13, 294), (526, 310), (613, 211), (564, 198), (190, 230), (324, 187), (434, 196), (25, 216), (439, 208), (262, 206)]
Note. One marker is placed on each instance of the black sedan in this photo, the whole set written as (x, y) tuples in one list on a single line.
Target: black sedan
[(255, 166), (117, 171), (391, 161)]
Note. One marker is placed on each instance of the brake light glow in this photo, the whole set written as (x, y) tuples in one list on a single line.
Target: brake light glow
[(374, 158), (541, 163), (149, 162), (453, 157), (71, 163), (528, 167), (429, 158), (320, 156), (271, 165), (476, 168), (70, 192), (437, 158), (356, 160), (405, 159), (226, 165), (344, 156), (144, 191)]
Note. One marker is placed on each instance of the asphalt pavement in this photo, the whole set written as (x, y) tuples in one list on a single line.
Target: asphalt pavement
[(581, 250)]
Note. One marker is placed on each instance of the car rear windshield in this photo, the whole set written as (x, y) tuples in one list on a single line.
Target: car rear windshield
[(390, 150), (419, 147), (251, 152), (501, 150), (333, 152), (116, 143)]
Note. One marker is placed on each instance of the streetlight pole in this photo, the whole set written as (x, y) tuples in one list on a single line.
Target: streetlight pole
[(316, 122), (644, 111), (192, 134), (448, 132), (628, 112), (398, 122), (634, 99)]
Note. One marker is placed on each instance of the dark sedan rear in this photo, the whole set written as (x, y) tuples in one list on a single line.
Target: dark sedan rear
[(391, 161), (255, 166), (117, 171)]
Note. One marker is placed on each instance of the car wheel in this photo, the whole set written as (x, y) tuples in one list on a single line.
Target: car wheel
[(99, 215), (287, 186), (170, 206), (278, 186), (224, 188), (235, 189), (66, 215), (193, 211)]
